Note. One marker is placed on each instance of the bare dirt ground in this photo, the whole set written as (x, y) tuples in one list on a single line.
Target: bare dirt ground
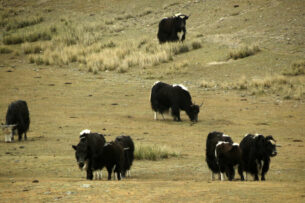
[(59, 111), (64, 100)]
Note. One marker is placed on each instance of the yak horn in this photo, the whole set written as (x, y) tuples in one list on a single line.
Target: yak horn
[(201, 105)]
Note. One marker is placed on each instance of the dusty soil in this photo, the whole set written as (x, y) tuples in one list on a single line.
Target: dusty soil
[(64, 100)]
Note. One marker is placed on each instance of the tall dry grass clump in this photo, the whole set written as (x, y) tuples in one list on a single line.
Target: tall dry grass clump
[(296, 68), (153, 152), (243, 52), (5, 50)]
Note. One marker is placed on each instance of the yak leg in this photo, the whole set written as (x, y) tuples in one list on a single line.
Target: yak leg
[(176, 113), (109, 169), (265, 169), (25, 137), (183, 36), (240, 171)]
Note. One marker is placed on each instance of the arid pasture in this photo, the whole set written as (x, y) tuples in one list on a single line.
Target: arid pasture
[(65, 97)]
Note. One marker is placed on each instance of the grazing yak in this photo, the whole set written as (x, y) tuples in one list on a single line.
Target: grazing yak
[(17, 119), (228, 155), (211, 142), (128, 146), (175, 97), (89, 146), (111, 156), (257, 150), (170, 26)]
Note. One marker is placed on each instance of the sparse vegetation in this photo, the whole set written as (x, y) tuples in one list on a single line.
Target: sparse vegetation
[(153, 152), (296, 68), (27, 37), (244, 52), (5, 50), (21, 23), (278, 85)]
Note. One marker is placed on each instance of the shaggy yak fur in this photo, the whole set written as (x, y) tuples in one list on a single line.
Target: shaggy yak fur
[(89, 147), (128, 146), (257, 150), (175, 97), (211, 142), (170, 27), (228, 155), (17, 119)]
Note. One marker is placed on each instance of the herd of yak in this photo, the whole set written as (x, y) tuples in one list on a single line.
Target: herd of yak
[(93, 153)]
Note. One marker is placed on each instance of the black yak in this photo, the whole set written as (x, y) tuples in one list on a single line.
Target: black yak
[(89, 146), (128, 145), (175, 97), (211, 142), (257, 150), (228, 155), (170, 26), (112, 157), (17, 119)]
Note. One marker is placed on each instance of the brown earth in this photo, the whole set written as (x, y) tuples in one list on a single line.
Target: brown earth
[(64, 100)]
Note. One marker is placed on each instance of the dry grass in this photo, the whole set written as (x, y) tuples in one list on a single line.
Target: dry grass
[(244, 52), (17, 23), (5, 50), (277, 85), (296, 68), (153, 152)]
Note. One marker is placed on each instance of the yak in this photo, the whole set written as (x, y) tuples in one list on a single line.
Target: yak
[(175, 97), (170, 27), (128, 145), (257, 150), (111, 156), (211, 142), (89, 146), (228, 155), (17, 119)]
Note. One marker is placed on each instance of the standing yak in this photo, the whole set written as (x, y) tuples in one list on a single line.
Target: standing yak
[(170, 26), (175, 97), (17, 119)]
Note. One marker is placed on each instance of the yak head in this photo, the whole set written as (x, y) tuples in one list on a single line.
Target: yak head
[(194, 111), (81, 153), (270, 145), (266, 145), (180, 21), (9, 131)]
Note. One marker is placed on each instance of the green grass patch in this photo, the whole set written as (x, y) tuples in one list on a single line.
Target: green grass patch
[(20, 38), (21, 23), (243, 52), (153, 152), (5, 50), (296, 68)]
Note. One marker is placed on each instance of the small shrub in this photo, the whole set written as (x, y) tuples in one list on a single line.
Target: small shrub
[(13, 39), (196, 45), (244, 52), (16, 24), (153, 152), (5, 50), (296, 68)]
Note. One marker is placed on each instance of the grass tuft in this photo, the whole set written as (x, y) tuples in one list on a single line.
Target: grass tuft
[(296, 68), (153, 152), (243, 52), (5, 50)]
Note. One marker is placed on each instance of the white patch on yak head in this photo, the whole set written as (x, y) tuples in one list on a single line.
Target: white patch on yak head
[(224, 135), (86, 131), (235, 144), (182, 86), (8, 131), (156, 83), (272, 142)]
